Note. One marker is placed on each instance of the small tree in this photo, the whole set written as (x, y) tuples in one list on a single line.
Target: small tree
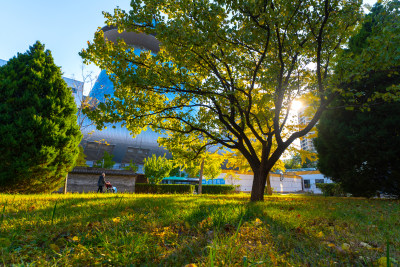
[(106, 161), (131, 167), (81, 160), (38, 125), (157, 168)]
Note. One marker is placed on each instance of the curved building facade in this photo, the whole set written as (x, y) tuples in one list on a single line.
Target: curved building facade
[(117, 140)]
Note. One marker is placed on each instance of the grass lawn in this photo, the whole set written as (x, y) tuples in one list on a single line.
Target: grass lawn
[(175, 230)]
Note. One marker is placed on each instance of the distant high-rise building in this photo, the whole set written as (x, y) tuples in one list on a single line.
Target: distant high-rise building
[(306, 142)]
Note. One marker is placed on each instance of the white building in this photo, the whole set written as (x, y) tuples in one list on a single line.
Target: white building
[(290, 182), (310, 180), (286, 183)]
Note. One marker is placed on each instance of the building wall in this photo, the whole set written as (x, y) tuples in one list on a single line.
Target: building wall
[(83, 179), (289, 183), (313, 177)]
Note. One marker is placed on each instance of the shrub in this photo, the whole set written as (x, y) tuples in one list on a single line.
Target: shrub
[(218, 189), (333, 189), (163, 188), (146, 188)]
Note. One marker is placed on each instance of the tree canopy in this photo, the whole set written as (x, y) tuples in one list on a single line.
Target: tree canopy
[(225, 68), (361, 148), (157, 168), (106, 161), (38, 125)]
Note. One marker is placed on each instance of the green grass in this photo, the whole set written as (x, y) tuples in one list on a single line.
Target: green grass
[(208, 230)]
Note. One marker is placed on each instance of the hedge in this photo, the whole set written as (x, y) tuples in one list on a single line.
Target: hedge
[(217, 189), (163, 188), (331, 190)]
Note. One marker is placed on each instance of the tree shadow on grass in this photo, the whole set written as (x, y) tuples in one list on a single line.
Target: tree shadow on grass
[(177, 230)]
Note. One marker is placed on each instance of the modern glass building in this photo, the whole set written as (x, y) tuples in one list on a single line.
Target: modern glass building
[(118, 141)]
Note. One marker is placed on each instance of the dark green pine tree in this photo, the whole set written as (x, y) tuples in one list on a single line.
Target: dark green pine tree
[(38, 125), (361, 148)]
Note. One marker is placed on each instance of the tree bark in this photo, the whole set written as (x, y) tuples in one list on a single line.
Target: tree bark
[(269, 189), (200, 177), (260, 177), (65, 184)]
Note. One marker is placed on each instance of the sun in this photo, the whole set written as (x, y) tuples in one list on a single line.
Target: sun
[(296, 105)]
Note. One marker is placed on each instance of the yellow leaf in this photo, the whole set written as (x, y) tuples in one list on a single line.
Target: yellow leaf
[(75, 238), (331, 245), (320, 234), (191, 265), (116, 220)]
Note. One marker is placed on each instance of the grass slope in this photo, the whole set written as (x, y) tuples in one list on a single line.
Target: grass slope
[(175, 230)]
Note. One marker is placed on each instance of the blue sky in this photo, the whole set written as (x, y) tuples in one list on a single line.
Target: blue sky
[(63, 26)]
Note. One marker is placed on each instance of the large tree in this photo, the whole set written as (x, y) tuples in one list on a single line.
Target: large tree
[(361, 148), (38, 126), (224, 68)]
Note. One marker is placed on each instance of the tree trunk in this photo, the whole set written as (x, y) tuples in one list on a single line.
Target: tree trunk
[(65, 184), (269, 189), (200, 177), (260, 177)]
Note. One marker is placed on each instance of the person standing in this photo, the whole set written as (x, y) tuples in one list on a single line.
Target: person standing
[(101, 182)]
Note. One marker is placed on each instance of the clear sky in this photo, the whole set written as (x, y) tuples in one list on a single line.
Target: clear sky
[(63, 26)]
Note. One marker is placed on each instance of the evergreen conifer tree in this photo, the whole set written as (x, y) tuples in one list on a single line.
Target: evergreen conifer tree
[(38, 124)]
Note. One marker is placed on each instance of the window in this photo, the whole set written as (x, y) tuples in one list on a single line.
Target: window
[(307, 184), (319, 181)]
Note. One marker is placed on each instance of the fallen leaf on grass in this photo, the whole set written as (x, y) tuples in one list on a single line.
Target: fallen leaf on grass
[(75, 239), (320, 234)]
